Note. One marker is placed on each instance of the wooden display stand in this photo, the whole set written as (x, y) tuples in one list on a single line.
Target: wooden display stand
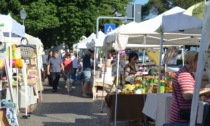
[(3, 119)]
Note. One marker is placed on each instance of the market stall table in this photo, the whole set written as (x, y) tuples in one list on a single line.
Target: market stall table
[(157, 107), (129, 106)]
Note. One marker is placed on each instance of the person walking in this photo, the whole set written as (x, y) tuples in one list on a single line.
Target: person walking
[(86, 89), (50, 55), (54, 67), (74, 65), (67, 62)]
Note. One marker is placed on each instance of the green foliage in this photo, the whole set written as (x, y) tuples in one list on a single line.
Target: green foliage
[(159, 6), (63, 21)]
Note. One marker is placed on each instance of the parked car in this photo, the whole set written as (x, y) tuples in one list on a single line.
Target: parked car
[(146, 58)]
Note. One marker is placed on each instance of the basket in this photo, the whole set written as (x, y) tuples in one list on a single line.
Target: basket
[(26, 50)]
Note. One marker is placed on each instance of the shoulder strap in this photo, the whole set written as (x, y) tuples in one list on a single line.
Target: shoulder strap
[(176, 98)]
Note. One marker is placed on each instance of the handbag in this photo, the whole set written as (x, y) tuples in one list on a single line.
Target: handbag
[(184, 113), (26, 50)]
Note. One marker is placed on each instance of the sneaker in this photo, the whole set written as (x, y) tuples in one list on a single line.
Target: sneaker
[(55, 90), (85, 95)]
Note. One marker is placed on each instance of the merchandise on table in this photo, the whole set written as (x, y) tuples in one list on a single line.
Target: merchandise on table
[(10, 112), (148, 84)]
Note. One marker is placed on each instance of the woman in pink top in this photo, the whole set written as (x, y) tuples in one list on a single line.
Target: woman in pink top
[(183, 88), (67, 62)]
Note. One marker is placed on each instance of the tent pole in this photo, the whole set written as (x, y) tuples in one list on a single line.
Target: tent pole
[(102, 103), (203, 47), (94, 67), (183, 48), (26, 87), (116, 92), (165, 63), (17, 89), (143, 56), (39, 72), (160, 61), (10, 67), (9, 75)]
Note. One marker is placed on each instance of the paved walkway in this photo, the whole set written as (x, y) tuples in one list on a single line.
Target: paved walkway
[(64, 109)]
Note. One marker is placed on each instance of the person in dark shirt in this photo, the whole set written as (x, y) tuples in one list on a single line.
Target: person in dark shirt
[(47, 60), (86, 89)]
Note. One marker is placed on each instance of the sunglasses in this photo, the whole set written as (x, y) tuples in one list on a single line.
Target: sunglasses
[(135, 58)]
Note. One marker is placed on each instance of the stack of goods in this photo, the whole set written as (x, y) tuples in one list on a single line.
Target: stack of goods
[(121, 64), (148, 84), (10, 112), (168, 81)]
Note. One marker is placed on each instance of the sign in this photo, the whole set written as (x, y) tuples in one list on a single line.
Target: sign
[(108, 28), (3, 46), (171, 55)]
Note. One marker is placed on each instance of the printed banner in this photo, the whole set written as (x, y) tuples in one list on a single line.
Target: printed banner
[(171, 56)]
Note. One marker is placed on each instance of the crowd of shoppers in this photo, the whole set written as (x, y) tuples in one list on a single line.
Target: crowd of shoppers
[(56, 65)]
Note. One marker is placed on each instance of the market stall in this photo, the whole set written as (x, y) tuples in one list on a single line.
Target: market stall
[(146, 34), (20, 72), (181, 23)]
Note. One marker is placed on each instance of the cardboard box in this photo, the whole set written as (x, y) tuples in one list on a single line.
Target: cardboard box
[(3, 119)]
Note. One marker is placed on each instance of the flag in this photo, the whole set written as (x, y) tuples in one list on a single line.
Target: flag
[(196, 10)]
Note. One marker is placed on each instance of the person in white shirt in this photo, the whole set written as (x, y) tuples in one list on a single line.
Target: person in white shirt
[(74, 65)]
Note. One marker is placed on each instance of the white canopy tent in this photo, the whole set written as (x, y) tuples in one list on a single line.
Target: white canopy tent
[(83, 44), (11, 26), (39, 51), (205, 42), (97, 42), (145, 33), (201, 27)]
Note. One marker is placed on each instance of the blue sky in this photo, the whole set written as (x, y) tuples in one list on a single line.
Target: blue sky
[(141, 1)]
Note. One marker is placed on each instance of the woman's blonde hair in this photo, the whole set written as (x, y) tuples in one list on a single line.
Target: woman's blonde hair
[(190, 57)]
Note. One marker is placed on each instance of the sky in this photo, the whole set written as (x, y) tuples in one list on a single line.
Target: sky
[(141, 1)]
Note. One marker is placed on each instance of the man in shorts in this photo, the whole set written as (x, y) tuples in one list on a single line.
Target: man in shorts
[(86, 89)]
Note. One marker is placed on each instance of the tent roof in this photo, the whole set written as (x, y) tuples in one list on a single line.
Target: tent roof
[(145, 33), (11, 25), (98, 42), (84, 42), (180, 22), (16, 40)]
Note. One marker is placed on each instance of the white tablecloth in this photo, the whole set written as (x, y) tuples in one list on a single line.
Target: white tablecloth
[(32, 99), (157, 107), (163, 106), (150, 109)]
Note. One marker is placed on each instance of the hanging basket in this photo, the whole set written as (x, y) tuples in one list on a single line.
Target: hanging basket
[(26, 50)]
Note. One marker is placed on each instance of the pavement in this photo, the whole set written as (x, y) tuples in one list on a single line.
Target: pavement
[(68, 109)]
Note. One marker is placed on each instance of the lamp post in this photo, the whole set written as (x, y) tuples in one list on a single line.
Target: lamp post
[(23, 15)]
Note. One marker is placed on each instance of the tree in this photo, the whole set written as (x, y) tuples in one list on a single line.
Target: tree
[(63, 21), (160, 6)]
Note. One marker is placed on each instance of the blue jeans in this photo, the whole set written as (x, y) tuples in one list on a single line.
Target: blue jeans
[(73, 75)]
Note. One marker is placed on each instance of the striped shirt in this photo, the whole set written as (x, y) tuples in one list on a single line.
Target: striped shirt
[(183, 81)]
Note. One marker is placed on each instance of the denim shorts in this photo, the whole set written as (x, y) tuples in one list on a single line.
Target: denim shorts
[(87, 74)]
